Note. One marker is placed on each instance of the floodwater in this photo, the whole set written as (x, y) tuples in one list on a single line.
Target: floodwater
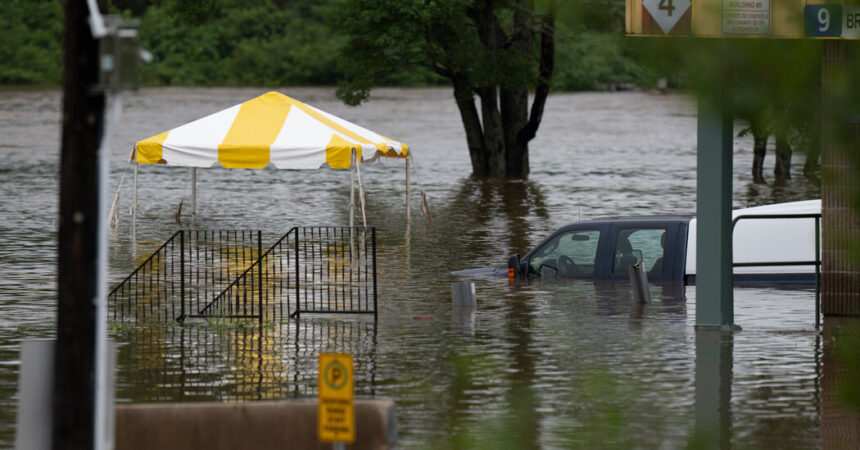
[(540, 364)]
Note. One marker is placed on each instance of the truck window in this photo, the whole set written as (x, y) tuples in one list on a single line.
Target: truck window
[(569, 254), (640, 244)]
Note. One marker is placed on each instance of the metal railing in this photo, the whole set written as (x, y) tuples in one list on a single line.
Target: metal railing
[(262, 290), (337, 271), (309, 270), (205, 273), (191, 268), (816, 262)]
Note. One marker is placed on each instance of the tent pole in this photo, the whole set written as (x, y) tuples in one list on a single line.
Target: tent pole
[(360, 192), (193, 196), (134, 205), (351, 190), (408, 235), (408, 190)]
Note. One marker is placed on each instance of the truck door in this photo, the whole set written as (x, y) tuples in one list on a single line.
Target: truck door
[(651, 242), (571, 252)]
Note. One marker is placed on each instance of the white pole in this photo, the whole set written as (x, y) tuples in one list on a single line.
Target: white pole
[(408, 235), (193, 195), (352, 166), (134, 203), (351, 190), (408, 190), (361, 193)]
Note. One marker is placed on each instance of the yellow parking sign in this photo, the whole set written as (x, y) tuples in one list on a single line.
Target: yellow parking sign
[(335, 408)]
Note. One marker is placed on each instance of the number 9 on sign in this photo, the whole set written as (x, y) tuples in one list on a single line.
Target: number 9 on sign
[(822, 20)]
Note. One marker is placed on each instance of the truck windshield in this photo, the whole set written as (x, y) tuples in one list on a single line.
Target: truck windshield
[(571, 253)]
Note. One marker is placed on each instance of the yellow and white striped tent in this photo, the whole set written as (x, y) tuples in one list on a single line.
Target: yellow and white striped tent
[(270, 129)]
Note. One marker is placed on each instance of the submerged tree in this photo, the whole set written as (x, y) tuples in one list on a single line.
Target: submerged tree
[(492, 50)]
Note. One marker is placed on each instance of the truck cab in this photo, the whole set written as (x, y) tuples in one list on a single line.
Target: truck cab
[(605, 248), (771, 244)]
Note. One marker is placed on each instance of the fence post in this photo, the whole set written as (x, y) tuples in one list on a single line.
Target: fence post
[(181, 275), (260, 273)]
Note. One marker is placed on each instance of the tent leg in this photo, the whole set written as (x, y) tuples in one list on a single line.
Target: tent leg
[(134, 205), (360, 194), (408, 190), (352, 165), (193, 196)]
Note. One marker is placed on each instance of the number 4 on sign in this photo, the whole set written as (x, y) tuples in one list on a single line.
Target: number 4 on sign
[(666, 13), (666, 5)]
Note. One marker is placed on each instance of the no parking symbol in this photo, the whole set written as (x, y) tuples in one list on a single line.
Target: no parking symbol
[(335, 407)]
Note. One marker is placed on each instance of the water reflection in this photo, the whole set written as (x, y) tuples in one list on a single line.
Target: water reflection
[(515, 202), (239, 361), (713, 426)]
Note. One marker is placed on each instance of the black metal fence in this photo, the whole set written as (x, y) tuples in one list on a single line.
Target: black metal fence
[(309, 270), (337, 271), (263, 290), (186, 272), (196, 273)]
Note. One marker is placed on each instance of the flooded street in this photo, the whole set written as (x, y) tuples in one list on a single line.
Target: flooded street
[(546, 364)]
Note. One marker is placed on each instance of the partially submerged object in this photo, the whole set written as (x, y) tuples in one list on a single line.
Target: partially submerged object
[(771, 244)]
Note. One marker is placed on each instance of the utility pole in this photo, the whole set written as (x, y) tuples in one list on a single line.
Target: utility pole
[(77, 283)]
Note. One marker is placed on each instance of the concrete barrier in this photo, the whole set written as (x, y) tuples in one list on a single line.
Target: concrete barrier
[(255, 426)]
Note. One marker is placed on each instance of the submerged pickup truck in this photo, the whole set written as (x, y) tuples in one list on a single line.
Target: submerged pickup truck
[(771, 244)]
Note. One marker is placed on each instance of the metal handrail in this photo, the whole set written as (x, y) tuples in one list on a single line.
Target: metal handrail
[(145, 262), (816, 262), (185, 277), (250, 268)]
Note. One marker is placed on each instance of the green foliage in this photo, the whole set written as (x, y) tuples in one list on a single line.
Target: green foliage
[(389, 36), (247, 44), (590, 60), (304, 42), (31, 42), (219, 323)]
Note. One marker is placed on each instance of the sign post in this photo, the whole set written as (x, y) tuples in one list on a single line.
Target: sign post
[(335, 407)]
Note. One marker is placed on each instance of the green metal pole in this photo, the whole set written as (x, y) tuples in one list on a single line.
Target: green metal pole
[(713, 389), (714, 299)]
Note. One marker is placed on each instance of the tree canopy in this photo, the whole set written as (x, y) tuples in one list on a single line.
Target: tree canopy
[(287, 43), (492, 50)]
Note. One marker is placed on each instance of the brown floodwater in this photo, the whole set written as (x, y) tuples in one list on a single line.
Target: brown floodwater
[(540, 364)]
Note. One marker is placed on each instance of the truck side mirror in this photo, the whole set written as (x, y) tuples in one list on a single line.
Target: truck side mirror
[(514, 267)]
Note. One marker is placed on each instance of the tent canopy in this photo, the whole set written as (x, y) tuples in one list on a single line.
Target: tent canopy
[(272, 128)]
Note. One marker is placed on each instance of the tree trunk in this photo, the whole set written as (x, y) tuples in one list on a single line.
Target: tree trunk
[(515, 115), (760, 136), (498, 141), (464, 97), (782, 168), (494, 132), (812, 165)]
